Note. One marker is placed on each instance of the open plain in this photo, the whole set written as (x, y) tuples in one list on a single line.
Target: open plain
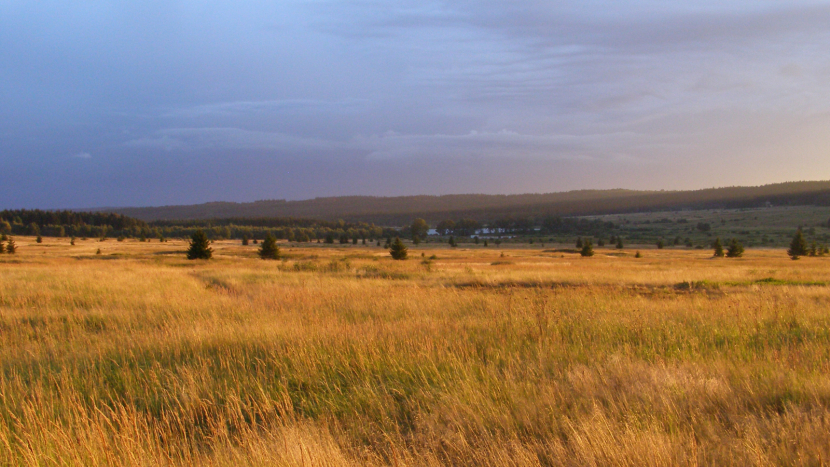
[(478, 356)]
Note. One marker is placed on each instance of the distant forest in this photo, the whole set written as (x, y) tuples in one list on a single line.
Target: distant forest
[(400, 211), (353, 219)]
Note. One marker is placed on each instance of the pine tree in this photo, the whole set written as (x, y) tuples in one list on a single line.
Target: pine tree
[(798, 247), (11, 246), (199, 246), (587, 248), (735, 250), (269, 248), (244, 241), (813, 249), (718, 248), (398, 249), (619, 243)]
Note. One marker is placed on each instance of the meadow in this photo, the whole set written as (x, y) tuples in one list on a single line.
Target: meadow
[(340, 356)]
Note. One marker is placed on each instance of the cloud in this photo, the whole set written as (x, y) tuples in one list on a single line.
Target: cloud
[(194, 139), (242, 108), (82, 155)]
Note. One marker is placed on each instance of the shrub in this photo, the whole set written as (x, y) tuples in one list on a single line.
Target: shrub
[(199, 246), (269, 248), (736, 250), (398, 249), (718, 248)]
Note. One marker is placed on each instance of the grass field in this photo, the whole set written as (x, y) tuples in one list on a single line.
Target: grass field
[(341, 356)]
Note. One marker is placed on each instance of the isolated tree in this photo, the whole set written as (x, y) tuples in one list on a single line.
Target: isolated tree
[(587, 248), (199, 246), (245, 241), (269, 248), (11, 246), (798, 246), (398, 249), (419, 228), (660, 244), (735, 250), (718, 248), (619, 243)]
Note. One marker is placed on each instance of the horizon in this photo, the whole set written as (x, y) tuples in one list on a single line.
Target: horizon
[(178, 103)]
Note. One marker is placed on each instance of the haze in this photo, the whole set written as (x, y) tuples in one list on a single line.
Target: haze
[(150, 103)]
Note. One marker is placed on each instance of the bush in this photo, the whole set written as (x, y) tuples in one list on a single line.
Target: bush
[(798, 246), (269, 248), (199, 246), (736, 250), (398, 250)]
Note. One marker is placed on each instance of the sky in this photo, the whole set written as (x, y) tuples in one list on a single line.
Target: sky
[(119, 103)]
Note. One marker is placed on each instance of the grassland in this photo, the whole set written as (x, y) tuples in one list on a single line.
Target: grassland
[(341, 356)]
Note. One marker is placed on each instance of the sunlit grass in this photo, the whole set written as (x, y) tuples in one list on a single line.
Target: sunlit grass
[(341, 356)]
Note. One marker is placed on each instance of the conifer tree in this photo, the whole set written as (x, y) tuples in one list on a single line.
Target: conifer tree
[(587, 248), (2, 248), (245, 241), (269, 248), (660, 244), (735, 250), (199, 246), (398, 249), (798, 246), (619, 243), (485, 243), (718, 248), (11, 246)]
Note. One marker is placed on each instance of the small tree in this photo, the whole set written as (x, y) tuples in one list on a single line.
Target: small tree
[(579, 243), (587, 248), (798, 246), (2, 248), (660, 244), (269, 248), (11, 246), (398, 249), (199, 246), (485, 242), (245, 241), (39, 239), (736, 250), (638, 255), (718, 248), (619, 243), (452, 241), (419, 228)]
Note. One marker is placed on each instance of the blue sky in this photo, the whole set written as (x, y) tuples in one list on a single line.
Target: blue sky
[(151, 103)]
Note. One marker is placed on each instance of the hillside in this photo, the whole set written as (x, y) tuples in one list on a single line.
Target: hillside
[(401, 210)]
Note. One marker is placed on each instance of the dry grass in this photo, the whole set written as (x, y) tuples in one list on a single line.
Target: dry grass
[(340, 356)]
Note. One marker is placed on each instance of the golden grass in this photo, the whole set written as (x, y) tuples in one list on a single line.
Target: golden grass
[(341, 356)]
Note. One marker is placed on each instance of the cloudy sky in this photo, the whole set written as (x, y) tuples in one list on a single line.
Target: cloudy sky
[(117, 103)]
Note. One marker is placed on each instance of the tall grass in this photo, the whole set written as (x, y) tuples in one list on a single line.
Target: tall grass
[(141, 358)]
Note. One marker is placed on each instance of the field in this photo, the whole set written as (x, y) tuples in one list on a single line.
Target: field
[(341, 356)]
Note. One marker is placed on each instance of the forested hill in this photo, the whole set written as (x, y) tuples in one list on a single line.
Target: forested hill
[(397, 211)]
